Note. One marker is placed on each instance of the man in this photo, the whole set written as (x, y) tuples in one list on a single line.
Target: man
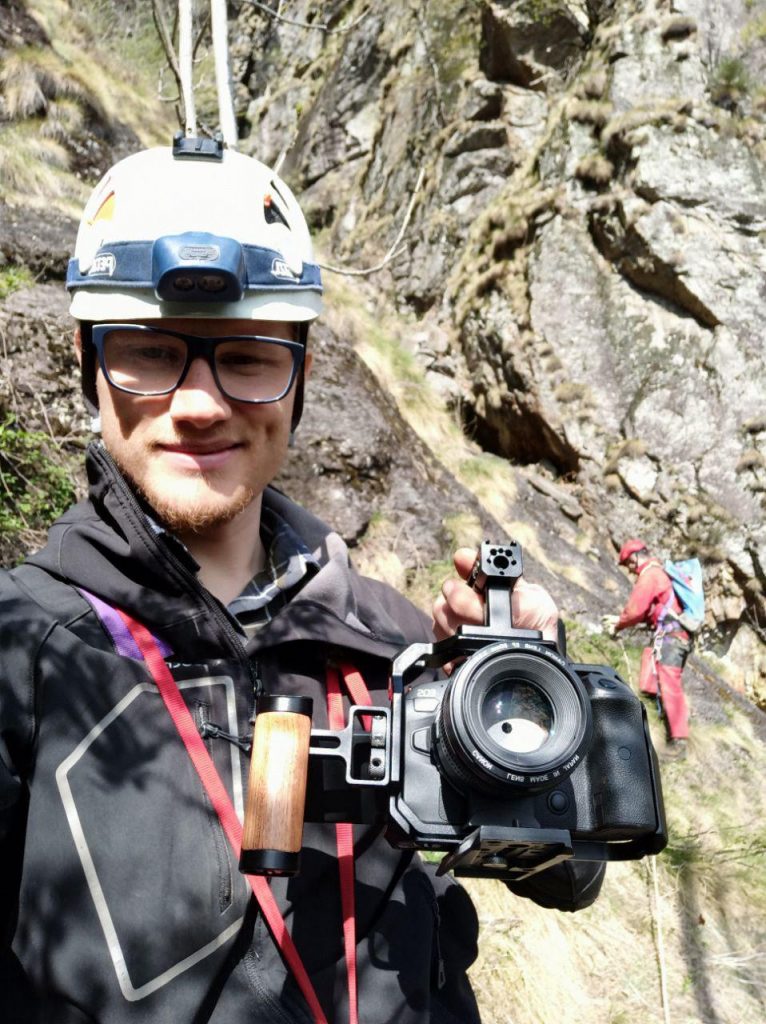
[(654, 603), (193, 285)]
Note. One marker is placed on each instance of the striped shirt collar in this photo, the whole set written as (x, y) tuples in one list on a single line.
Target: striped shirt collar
[(289, 563)]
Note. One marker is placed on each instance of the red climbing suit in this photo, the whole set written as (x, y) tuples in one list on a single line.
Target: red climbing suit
[(662, 663)]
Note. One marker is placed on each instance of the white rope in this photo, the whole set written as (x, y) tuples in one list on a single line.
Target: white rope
[(627, 661), (393, 251), (660, 941), (185, 63), (220, 31)]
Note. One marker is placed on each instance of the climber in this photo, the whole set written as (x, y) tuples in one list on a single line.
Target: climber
[(185, 578), (653, 602)]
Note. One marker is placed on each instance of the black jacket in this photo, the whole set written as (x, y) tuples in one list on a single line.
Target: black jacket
[(122, 901)]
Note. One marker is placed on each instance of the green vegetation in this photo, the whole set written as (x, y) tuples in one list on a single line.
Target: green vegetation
[(570, 391), (424, 583), (591, 648), (464, 530), (543, 11), (451, 27), (127, 31), (755, 30), (730, 82), (12, 277), (35, 481)]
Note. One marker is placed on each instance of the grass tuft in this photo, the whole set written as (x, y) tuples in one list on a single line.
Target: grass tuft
[(13, 277)]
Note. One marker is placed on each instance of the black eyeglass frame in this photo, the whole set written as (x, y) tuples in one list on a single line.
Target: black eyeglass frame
[(197, 348)]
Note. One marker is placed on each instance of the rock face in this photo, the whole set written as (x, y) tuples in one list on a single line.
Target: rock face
[(589, 234)]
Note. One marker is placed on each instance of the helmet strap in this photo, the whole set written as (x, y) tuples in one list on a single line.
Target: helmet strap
[(88, 368)]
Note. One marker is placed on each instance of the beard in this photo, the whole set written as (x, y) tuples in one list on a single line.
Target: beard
[(182, 514), (201, 517)]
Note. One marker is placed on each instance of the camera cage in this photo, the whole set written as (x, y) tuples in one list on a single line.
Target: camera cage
[(374, 759)]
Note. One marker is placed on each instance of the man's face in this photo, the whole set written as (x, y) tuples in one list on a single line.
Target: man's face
[(198, 457)]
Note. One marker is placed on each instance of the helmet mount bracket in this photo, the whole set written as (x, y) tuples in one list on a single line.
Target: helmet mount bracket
[(196, 147)]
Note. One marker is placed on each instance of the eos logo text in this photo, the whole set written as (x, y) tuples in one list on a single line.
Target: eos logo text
[(104, 263)]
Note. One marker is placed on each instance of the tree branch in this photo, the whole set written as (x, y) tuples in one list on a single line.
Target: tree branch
[(170, 53), (305, 24)]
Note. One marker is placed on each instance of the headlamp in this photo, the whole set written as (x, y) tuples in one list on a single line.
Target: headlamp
[(199, 267)]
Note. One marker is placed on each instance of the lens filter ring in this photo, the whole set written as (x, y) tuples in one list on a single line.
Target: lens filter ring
[(515, 717)]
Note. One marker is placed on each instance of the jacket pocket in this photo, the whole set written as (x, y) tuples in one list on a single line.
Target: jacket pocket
[(154, 862), (220, 844)]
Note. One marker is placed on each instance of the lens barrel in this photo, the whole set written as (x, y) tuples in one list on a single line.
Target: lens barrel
[(513, 718)]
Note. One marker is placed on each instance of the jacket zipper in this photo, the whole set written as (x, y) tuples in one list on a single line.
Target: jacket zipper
[(220, 843), (209, 730), (211, 605)]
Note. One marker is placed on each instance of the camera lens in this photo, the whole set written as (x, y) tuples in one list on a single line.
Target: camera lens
[(517, 716), (513, 718)]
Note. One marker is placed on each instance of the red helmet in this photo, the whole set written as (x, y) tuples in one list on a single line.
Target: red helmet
[(630, 547)]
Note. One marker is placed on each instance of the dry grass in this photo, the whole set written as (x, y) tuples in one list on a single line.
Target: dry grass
[(50, 94), (595, 170), (32, 77), (35, 168)]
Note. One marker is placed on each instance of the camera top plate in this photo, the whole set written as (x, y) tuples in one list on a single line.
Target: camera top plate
[(496, 562), (494, 575)]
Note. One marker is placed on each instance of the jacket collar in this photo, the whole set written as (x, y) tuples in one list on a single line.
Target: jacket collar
[(107, 546)]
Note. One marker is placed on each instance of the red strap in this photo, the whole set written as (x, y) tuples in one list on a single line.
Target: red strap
[(219, 798), (344, 837), (344, 832), (358, 692)]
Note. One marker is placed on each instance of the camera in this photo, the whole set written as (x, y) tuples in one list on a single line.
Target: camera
[(515, 761)]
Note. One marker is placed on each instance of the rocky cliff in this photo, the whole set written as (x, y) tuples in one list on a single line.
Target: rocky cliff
[(566, 206), (583, 273)]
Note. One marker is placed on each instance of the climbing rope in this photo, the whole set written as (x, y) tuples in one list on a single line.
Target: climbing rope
[(657, 922)]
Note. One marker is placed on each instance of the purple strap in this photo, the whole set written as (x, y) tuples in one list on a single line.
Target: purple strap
[(121, 636)]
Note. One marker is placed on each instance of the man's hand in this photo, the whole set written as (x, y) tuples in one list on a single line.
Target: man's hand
[(609, 622), (458, 604)]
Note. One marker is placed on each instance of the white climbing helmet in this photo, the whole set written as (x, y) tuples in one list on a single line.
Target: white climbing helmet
[(193, 231)]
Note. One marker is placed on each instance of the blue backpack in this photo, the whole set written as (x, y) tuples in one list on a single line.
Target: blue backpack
[(686, 577)]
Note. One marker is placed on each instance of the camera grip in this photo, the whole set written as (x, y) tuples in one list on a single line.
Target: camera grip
[(276, 792)]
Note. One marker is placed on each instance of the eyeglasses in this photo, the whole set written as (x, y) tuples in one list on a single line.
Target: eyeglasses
[(143, 360)]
